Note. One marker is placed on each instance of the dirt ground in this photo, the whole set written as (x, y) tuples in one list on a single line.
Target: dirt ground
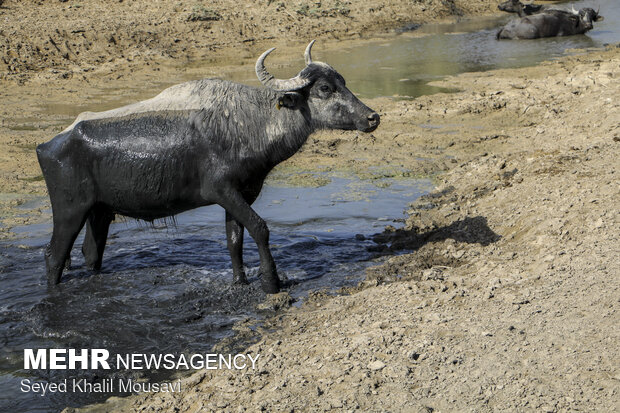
[(509, 298)]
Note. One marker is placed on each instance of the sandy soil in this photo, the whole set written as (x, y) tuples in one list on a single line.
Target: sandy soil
[(64, 34), (509, 300)]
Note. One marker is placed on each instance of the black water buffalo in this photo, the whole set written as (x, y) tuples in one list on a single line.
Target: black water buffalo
[(198, 143), (550, 23), (515, 6)]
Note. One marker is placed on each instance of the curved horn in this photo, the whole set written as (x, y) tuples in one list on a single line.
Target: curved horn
[(599, 18), (279, 85), (572, 8), (308, 53)]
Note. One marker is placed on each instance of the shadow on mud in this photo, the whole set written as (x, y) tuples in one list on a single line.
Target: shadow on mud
[(410, 261), (471, 230)]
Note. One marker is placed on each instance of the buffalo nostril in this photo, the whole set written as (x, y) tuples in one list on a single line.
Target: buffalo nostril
[(373, 118)]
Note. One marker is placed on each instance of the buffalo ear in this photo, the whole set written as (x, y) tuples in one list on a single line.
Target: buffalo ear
[(599, 19), (290, 100)]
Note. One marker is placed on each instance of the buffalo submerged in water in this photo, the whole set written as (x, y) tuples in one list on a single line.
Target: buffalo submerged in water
[(550, 23), (515, 6), (199, 143)]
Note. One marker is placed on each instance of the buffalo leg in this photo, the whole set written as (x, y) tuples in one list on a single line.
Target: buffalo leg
[(234, 234), (234, 203), (234, 237), (66, 229), (96, 236)]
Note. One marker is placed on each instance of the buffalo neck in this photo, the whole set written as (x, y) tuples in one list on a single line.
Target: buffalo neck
[(250, 124)]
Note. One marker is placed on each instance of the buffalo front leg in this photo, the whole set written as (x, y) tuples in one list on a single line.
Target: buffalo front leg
[(96, 236), (234, 238), (236, 206)]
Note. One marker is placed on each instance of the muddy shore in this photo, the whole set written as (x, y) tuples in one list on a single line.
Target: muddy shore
[(509, 298)]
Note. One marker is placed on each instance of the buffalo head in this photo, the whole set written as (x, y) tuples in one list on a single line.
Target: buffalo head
[(510, 6), (330, 104), (515, 6), (588, 16)]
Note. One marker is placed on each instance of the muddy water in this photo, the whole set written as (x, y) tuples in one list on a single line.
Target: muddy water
[(166, 288), (404, 64), (401, 65)]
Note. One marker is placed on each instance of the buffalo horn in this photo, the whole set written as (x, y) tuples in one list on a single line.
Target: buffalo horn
[(599, 18), (279, 85), (308, 53)]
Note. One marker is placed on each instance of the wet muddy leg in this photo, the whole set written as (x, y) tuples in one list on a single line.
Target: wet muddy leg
[(234, 238), (66, 229), (233, 202), (97, 227)]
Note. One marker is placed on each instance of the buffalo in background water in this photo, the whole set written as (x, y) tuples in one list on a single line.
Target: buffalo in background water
[(515, 6), (550, 23)]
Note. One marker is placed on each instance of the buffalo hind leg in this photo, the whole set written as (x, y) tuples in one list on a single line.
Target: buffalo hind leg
[(66, 229), (97, 226), (234, 238), (234, 203)]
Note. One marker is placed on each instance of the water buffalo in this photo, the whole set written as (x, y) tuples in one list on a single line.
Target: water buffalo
[(550, 23), (199, 143), (515, 6)]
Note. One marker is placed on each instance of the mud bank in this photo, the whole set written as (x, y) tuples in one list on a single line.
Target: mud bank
[(509, 298), (64, 35)]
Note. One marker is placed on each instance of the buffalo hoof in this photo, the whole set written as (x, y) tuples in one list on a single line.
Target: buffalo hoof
[(95, 267), (240, 279), (270, 284), (53, 278)]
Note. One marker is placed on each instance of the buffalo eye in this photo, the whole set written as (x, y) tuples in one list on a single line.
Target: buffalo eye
[(325, 89)]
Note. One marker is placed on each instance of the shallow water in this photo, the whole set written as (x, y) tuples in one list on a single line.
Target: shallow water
[(402, 65), (167, 288)]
